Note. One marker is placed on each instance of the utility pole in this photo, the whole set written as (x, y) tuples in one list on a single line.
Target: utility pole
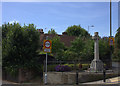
[(110, 34), (110, 20)]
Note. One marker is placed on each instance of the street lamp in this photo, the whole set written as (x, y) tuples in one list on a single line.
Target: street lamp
[(89, 27)]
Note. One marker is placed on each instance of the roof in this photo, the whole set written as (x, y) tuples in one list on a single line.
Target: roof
[(63, 38), (67, 39)]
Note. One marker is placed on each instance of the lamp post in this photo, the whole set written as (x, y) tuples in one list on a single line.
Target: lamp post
[(89, 27), (110, 33), (110, 20)]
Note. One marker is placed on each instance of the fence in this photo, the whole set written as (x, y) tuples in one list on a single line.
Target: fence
[(72, 64)]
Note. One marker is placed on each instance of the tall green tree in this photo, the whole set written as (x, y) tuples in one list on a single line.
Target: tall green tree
[(116, 54), (57, 48), (87, 53), (83, 49), (104, 50), (52, 31), (0, 46), (117, 38), (74, 52), (77, 30), (20, 46)]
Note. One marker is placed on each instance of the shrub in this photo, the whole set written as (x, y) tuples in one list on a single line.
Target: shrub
[(85, 66), (62, 68), (51, 67), (82, 67)]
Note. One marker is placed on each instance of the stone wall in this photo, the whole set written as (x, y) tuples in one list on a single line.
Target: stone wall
[(60, 77), (21, 76), (70, 77)]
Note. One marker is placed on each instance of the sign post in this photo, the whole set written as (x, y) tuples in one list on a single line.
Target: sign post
[(46, 70), (47, 45)]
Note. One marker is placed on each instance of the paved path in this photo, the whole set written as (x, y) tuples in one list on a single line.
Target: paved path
[(115, 80), (8, 82)]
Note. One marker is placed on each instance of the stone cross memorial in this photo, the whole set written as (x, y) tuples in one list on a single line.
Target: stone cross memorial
[(96, 64)]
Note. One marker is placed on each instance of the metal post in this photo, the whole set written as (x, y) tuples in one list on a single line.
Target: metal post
[(110, 21), (110, 34), (104, 75), (46, 66), (77, 77), (46, 71), (89, 27)]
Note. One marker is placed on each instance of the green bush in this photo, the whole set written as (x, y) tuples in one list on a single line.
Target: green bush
[(85, 66), (72, 66), (51, 67)]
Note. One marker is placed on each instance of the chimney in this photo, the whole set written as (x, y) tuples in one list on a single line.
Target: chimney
[(41, 31), (64, 33)]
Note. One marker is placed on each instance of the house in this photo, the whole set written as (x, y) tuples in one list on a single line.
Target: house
[(63, 38)]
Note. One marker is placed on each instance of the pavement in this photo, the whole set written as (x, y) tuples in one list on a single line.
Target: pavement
[(8, 82), (109, 82), (115, 80)]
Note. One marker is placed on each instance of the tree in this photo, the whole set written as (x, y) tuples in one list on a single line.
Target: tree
[(116, 54), (117, 38), (20, 46), (57, 48), (74, 52), (70, 55), (84, 50), (87, 53), (77, 31), (0, 47), (52, 31), (104, 50)]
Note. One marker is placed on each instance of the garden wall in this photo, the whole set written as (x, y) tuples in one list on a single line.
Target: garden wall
[(70, 77), (20, 76)]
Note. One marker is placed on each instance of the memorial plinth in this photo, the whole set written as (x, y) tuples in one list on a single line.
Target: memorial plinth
[(96, 64)]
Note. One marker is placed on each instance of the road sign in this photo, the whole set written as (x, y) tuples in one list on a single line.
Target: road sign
[(111, 41), (47, 46)]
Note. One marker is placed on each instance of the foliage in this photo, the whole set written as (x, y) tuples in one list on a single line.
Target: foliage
[(52, 31), (70, 67), (70, 55), (77, 45), (81, 49), (51, 67), (0, 55), (117, 38), (76, 30), (62, 68), (19, 46), (104, 50), (116, 54), (75, 50), (87, 53), (0, 46), (57, 48)]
